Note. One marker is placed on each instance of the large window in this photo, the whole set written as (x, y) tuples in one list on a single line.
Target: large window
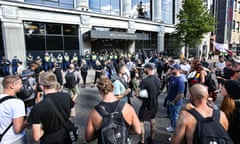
[(68, 4), (167, 11), (141, 9), (109, 7), (53, 37)]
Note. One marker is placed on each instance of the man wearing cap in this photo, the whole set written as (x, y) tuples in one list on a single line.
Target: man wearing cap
[(149, 105), (46, 127), (174, 96)]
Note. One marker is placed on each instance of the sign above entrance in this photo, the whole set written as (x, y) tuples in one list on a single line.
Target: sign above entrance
[(116, 35)]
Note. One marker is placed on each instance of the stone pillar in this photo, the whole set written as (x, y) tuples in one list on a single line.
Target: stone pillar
[(131, 47), (157, 10), (84, 44), (126, 8), (160, 40), (81, 5), (13, 33)]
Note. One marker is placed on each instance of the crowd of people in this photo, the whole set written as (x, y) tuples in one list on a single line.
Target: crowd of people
[(118, 78)]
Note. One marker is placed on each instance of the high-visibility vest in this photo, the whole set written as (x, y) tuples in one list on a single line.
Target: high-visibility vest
[(46, 58), (52, 59), (60, 59), (94, 57), (66, 58), (75, 58)]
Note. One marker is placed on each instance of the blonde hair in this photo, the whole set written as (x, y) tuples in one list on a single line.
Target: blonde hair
[(104, 85), (9, 79), (228, 106)]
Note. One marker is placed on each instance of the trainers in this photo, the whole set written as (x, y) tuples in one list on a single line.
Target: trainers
[(170, 129)]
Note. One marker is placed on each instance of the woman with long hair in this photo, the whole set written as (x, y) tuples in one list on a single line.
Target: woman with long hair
[(231, 107)]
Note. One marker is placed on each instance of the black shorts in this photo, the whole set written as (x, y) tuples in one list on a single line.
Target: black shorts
[(146, 114)]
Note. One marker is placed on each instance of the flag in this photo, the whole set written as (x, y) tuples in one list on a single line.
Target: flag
[(221, 47)]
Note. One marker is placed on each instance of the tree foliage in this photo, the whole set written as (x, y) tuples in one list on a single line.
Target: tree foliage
[(194, 21)]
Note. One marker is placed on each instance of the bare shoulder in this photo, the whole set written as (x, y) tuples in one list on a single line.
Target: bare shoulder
[(127, 109), (223, 120)]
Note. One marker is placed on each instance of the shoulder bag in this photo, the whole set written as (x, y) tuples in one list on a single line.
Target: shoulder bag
[(68, 125)]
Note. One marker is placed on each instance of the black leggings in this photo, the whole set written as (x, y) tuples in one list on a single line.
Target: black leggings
[(84, 77)]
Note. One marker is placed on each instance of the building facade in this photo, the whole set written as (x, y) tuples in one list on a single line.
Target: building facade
[(227, 14), (58, 26)]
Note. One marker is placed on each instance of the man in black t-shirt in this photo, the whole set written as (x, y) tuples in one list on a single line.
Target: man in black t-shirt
[(46, 127), (149, 105)]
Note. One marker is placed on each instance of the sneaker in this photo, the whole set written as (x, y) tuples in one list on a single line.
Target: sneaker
[(170, 129)]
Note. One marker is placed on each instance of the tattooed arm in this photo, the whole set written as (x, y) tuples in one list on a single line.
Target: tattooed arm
[(180, 130)]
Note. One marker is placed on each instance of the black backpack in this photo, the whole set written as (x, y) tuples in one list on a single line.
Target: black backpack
[(209, 130), (210, 83), (26, 90), (70, 80), (113, 129)]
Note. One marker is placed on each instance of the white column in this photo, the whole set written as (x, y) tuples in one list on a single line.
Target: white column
[(126, 8), (13, 33), (157, 10), (81, 5), (13, 37), (131, 47), (160, 42)]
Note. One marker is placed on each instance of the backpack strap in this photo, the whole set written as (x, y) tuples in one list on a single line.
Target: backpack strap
[(6, 98), (2, 100), (102, 111), (199, 117)]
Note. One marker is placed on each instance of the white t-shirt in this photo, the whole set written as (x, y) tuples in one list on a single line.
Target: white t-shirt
[(10, 109), (220, 65)]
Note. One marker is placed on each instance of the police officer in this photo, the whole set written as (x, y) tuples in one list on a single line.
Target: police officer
[(88, 59), (60, 61), (46, 61), (74, 59), (15, 61), (94, 58), (66, 61), (52, 61), (5, 66), (29, 60)]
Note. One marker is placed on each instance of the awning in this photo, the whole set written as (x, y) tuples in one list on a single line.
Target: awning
[(115, 35)]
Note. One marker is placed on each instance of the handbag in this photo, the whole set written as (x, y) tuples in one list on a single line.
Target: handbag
[(68, 125)]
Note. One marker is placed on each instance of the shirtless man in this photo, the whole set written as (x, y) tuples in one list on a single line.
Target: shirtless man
[(186, 123)]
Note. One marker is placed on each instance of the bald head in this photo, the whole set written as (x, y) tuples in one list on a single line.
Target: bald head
[(199, 91)]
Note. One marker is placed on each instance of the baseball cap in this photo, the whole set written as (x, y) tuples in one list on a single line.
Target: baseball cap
[(236, 59), (175, 66)]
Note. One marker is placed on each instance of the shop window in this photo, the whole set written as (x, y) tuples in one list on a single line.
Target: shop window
[(35, 42), (70, 30), (51, 37), (71, 43)]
